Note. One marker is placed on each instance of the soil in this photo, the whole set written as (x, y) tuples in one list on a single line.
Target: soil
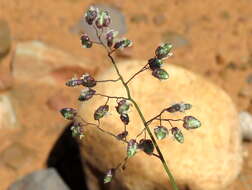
[(212, 38)]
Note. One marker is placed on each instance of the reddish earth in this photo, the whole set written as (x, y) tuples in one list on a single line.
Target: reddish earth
[(218, 45)]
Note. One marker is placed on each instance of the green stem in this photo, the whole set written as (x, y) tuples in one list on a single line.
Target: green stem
[(161, 157)]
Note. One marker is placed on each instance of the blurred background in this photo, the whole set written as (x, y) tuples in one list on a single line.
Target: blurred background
[(40, 49)]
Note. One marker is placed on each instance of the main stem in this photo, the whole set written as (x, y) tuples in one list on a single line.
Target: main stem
[(161, 157)]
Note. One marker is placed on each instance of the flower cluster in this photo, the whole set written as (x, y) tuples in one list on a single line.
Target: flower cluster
[(189, 122), (162, 52), (100, 20)]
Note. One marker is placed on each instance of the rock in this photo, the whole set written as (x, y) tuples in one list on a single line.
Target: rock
[(249, 79), (37, 104), (245, 91), (176, 39), (5, 38), (225, 15), (17, 156), (118, 22), (8, 119), (40, 180), (210, 157), (57, 101), (246, 125), (36, 61), (6, 80), (139, 18), (159, 19)]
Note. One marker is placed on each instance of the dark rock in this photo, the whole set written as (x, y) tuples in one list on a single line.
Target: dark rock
[(232, 66), (219, 59), (138, 18), (176, 39), (5, 38), (159, 19), (249, 78), (47, 179), (225, 15)]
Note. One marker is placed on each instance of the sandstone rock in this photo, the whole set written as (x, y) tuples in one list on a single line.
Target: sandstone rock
[(36, 61), (40, 180), (37, 104), (6, 80), (8, 119), (5, 38), (210, 157), (58, 100)]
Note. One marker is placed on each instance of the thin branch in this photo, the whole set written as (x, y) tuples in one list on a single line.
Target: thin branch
[(157, 116), (109, 133), (173, 183), (141, 70), (122, 163), (107, 101), (99, 37), (172, 120), (99, 128), (154, 154), (139, 134), (115, 80), (113, 97), (96, 42)]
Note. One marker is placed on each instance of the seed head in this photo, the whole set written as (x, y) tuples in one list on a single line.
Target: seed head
[(181, 107), (146, 145), (161, 74), (85, 41), (178, 135), (109, 175), (161, 132), (124, 118), (123, 44), (101, 112), (132, 148), (111, 34), (68, 113), (163, 51), (123, 106), (91, 15), (103, 19), (77, 130), (122, 135), (191, 122), (73, 82), (86, 94), (155, 63), (88, 81)]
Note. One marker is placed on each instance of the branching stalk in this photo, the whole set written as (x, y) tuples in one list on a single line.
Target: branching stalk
[(160, 155)]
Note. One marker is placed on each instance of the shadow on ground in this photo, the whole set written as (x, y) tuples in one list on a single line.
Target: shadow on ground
[(65, 157)]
